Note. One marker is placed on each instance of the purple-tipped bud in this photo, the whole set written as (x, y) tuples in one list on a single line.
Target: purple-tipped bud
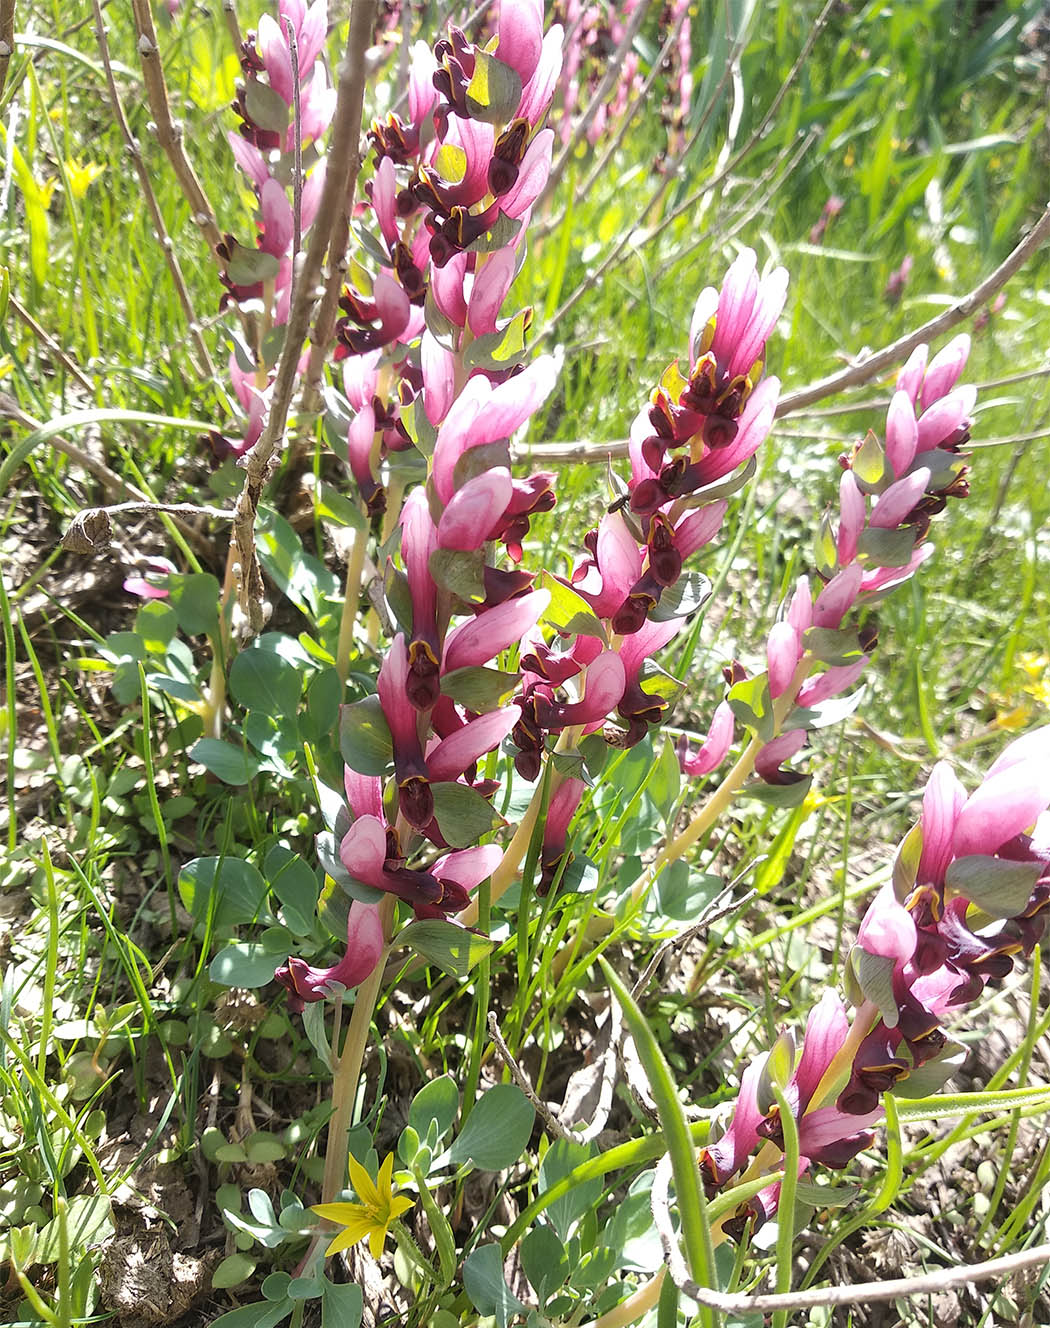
[(902, 433), (898, 501), (942, 372), (782, 656)]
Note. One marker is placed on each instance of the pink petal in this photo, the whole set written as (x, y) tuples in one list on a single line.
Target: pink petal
[(421, 91), (837, 597), (717, 743), (539, 90), (490, 290), (363, 850), (364, 793), (447, 285), (902, 433), (700, 527), (520, 29), (800, 610), (826, 1030), (942, 373), (278, 223), (484, 637), (454, 754), (751, 346), (910, 379), (532, 175), (941, 804), (782, 656), (946, 416), (249, 159), (384, 192), (1005, 804), (899, 500), (469, 518), (831, 682), (470, 866), (887, 928), (439, 377), (273, 48), (735, 304), (852, 514)]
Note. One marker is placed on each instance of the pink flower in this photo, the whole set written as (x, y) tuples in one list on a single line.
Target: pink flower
[(364, 947), (715, 746)]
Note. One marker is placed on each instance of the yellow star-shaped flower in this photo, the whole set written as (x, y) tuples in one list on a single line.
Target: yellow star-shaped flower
[(371, 1218)]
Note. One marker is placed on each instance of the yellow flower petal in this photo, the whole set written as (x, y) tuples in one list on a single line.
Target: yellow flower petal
[(398, 1205), (376, 1241), (340, 1212), (353, 1233), (364, 1184)]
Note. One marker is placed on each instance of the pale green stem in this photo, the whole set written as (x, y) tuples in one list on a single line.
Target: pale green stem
[(348, 1068), (719, 801), (354, 569)]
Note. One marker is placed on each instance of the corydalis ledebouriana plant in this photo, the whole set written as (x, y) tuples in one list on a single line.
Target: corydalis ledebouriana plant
[(888, 495), (451, 197), (970, 893)]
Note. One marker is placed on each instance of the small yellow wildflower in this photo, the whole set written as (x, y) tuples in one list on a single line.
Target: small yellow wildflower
[(1016, 707), (371, 1218), (81, 176)]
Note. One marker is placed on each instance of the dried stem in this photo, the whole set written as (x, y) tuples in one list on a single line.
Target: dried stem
[(336, 200), (7, 38), (169, 133), (297, 131), (53, 348), (925, 1284), (556, 1128), (900, 349), (111, 482), (207, 366)]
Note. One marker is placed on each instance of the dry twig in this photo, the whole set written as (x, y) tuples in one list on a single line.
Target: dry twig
[(898, 351), (522, 1080), (169, 134), (336, 202), (859, 1293)]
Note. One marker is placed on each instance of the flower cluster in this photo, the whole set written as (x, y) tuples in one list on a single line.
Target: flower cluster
[(888, 494), (970, 892), (451, 196), (259, 279)]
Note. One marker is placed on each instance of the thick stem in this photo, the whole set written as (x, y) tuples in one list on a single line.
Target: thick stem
[(354, 569), (713, 808), (348, 1067)]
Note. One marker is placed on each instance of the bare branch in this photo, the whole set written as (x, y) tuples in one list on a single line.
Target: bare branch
[(924, 1284), (522, 1080), (900, 349), (169, 134), (336, 201)]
